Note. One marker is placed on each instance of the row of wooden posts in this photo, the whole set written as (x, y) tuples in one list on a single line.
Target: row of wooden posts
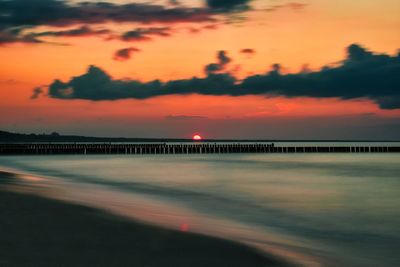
[(195, 148)]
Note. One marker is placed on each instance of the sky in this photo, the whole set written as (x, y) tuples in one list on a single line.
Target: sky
[(232, 69)]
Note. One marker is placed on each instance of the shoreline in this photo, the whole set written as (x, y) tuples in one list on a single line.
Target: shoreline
[(39, 231)]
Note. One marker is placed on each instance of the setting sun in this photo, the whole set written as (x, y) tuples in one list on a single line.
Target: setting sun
[(197, 137)]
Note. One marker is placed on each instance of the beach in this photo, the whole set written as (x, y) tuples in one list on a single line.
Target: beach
[(38, 231)]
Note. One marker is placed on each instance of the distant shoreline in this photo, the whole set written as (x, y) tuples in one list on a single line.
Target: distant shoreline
[(9, 137)]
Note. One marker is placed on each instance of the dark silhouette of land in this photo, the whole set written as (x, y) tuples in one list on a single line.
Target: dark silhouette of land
[(9, 137), (56, 137), (36, 231)]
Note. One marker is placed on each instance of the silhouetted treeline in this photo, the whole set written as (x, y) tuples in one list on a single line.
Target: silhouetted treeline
[(56, 137)]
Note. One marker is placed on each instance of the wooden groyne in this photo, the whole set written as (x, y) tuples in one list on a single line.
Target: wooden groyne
[(195, 148)]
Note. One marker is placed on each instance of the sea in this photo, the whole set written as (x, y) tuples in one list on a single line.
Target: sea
[(310, 209)]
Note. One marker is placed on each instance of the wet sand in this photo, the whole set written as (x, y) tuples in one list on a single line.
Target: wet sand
[(37, 231)]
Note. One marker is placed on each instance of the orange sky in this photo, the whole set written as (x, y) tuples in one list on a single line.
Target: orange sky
[(315, 35)]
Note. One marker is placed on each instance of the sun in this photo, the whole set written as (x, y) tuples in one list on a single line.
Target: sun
[(197, 137)]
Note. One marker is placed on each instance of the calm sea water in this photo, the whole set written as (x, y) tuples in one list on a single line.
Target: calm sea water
[(314, 209)]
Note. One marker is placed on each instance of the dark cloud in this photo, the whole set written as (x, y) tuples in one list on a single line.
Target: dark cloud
[(77, 32), (211, 27), (357, 53), (17, 16), (125, 53), (37, 92), (228, 5), (8, 37), (362, 74), (16, 13), (248, 51), (223, 60), (145, 34), (98, 85), (389, 102)]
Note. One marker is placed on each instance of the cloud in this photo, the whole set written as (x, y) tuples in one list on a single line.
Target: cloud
[(9, 81), (37, 92), (17, 16), (16, 13), (125, 53), (211, 26), (248, 51), (228, 5), (144, 34), (96, 84), (77, 32), (206, 27), (363, 74), (223, 60), (8, 37), (184, 117), (292, 5)]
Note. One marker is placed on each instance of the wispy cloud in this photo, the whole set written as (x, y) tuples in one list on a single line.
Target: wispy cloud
[(146, 34), (184, 117), (125, 53)]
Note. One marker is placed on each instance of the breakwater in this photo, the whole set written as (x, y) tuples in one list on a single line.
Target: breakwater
[(176, 148)]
